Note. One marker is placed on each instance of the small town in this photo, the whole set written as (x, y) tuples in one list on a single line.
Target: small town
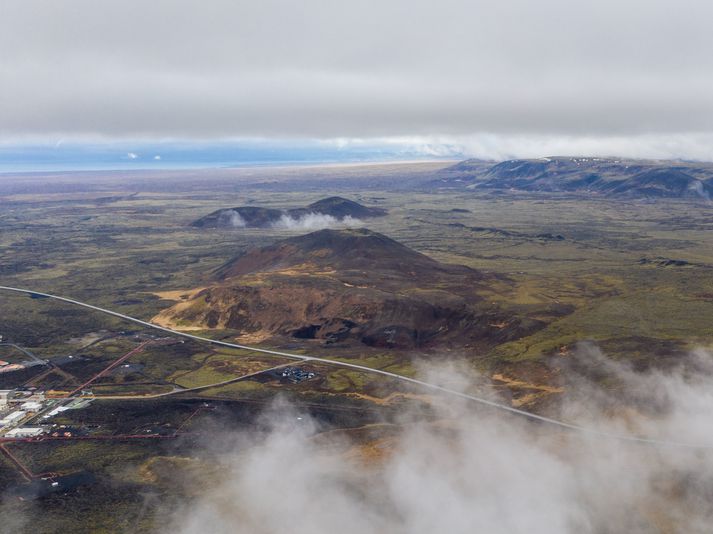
[(27, 412)]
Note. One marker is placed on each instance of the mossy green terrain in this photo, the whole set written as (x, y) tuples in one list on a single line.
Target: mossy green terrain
[(636, 277)]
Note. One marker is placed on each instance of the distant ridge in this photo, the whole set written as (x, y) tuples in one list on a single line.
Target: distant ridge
[(611, 177)]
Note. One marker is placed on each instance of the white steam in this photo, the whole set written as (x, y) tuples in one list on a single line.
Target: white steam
[(698, 188), (472, 471), (235, 219), (315, 221)]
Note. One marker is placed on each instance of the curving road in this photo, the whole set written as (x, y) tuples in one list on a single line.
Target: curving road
[(427, 385)]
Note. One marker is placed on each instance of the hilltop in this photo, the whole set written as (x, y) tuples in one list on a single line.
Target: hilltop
[(260, 217), (352, 251), (339, 285)]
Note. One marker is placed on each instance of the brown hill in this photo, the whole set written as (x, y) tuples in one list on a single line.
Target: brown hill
[(349, 284), (354, 253)]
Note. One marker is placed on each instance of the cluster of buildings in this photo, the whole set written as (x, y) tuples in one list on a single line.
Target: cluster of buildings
[(297, 374), (18, 406), (24, 412)]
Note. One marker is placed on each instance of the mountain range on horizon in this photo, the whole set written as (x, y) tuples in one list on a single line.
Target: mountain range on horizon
[(610, 177)]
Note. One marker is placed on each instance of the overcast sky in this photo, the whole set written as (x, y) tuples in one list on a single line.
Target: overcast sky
[(511, 76)]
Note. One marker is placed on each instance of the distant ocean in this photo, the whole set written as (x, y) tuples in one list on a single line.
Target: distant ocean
[(173, 155)]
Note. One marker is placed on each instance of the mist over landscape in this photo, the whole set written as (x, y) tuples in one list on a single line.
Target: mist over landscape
[(463, 470)]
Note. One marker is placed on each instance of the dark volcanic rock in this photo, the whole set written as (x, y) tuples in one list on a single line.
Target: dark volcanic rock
[(341, 207), (243, 217), (663, 262), (257, 217)]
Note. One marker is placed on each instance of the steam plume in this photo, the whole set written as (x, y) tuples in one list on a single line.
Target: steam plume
[(315, 221)]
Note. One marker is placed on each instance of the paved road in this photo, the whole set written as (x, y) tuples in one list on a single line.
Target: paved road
[(426, 385), (226, 382), (178, 391)]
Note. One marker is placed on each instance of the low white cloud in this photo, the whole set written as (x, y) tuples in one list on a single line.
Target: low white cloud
[(492, 146), (468, 470), (132, 155), (315, 221)]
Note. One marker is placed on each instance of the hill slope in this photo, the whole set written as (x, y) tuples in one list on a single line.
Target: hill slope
[(349, 284)]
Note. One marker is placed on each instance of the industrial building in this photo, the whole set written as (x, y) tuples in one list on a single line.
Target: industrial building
[(25, 432), (12, 417), (31, 406), (297, 374), (4, 394)]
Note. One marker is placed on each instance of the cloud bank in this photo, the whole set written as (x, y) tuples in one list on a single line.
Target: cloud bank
[(698, 146), (588, 72), (469, 471)]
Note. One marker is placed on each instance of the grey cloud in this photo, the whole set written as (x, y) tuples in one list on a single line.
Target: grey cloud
[(321, 69)]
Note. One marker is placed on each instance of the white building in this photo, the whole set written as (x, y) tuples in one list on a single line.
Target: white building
[(25, 432), (31, 406), (12, 417), (37, 396), (4, 394)]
